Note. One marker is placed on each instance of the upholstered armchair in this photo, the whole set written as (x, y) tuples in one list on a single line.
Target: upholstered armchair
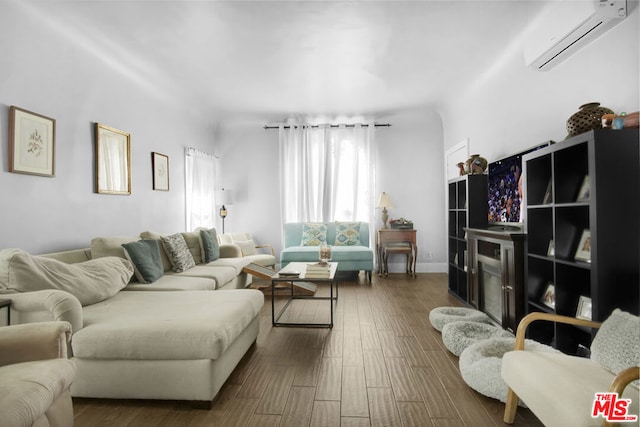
[(560, 389), (35, 375)]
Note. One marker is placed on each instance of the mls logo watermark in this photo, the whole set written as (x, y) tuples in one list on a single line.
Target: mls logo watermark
[(612, 408)]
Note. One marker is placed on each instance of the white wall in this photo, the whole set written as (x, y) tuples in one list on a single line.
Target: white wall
[(408, 163), (410, 169), (513, 107), (45, 70), (249, 168)]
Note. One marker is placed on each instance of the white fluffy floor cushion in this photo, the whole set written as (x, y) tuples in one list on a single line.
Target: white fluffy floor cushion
[(440, 316), (457, 336), (481, 363)]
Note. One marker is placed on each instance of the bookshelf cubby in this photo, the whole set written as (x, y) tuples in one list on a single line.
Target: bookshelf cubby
[(468, 207), (554, 178)]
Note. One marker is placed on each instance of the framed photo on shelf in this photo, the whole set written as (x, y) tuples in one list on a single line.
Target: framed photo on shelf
[(160, 165), (584, 308), (551, 250), (583, 193), (32, 140), (583, 252), (549, 296)]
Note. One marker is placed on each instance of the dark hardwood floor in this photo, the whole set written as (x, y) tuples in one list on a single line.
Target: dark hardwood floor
[(381, 365)]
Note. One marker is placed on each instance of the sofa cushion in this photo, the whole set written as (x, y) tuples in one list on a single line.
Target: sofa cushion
[(248, 247), (91, 281), (616, 345), (5, 260), (313, 234), (338, 253), (166, 264), (347, 234), (178, 252), (221, 275), (145, 257), (110, 246), (176, 282), (192, 239), (209, 244), (172, 326)]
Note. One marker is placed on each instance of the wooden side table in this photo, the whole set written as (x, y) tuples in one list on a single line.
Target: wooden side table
[(396, 240)]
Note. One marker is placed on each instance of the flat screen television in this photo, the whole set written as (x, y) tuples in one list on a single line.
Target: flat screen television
[(505, 189)]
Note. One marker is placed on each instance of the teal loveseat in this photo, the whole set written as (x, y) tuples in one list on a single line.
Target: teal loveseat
[(350, 257)]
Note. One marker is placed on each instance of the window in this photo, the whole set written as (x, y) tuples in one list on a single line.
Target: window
[(327, 173)]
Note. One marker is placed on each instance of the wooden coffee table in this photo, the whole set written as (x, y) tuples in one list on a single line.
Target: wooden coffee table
[(300, 280)]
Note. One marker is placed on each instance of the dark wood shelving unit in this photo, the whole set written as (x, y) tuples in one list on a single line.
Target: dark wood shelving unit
[(554, 178), (468, 207)]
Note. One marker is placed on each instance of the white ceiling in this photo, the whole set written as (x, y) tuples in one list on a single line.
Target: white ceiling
[(277, 59)]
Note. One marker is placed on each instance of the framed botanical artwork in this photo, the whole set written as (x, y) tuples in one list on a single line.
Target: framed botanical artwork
[(160, 166), (583, 252), (32, 140), (549, 296), (584, 308), (113, 160), (583, 193)]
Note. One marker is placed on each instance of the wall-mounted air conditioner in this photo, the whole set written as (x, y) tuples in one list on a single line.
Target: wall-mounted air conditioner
[(565, 26)]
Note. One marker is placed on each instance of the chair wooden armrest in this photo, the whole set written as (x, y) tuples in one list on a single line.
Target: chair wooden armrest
[(512, 399), (268, 246), (623, 379), (532, 317), (619, 383)]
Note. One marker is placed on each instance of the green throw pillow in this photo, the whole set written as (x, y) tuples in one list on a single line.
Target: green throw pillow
[(347, 234), (210, 246), (313, 234), (145, 257)]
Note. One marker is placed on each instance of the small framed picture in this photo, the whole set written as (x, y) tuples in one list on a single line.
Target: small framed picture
[(32, 138), (551, 250), (549, 296), (160, 166), (584, 308), (583, 252), (583, 193)]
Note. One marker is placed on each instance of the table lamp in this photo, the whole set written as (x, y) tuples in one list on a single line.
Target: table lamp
[(384, 202)]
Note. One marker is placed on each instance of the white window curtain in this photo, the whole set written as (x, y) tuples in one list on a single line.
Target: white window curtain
[(200, 169), (327, 173)]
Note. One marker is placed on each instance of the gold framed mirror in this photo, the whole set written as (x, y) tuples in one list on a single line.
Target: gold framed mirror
[(113, 160)]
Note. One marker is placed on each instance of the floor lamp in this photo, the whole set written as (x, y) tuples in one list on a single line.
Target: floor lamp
[(225, 199)]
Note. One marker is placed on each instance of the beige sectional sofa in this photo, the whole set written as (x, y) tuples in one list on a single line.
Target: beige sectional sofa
[(133, 339)]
